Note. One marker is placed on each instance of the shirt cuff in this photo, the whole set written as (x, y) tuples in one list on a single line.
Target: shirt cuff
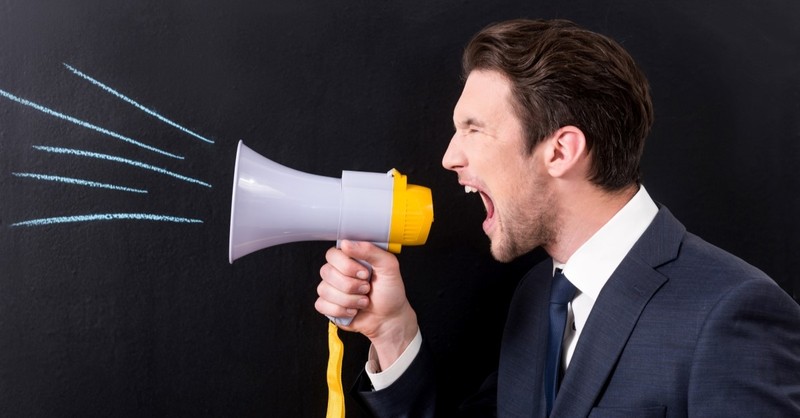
[(384, 378)]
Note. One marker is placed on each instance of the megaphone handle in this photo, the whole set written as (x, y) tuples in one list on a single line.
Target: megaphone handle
[(346, 320)]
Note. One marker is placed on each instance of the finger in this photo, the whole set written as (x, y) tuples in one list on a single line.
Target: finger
[(346, 264), (331, 309), (342, 282), (337, 297), (368, 252)]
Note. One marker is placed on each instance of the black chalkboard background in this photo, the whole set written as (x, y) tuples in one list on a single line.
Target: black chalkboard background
[(144, 318)]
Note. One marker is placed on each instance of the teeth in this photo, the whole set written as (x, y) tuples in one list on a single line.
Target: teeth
[(470, 189)]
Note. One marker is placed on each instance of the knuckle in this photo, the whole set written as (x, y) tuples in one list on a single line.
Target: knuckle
[(323, 271)]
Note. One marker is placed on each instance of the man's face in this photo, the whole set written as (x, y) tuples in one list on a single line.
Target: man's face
[(488, 153)]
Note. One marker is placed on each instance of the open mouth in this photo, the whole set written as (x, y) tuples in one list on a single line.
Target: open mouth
[(488, 223)]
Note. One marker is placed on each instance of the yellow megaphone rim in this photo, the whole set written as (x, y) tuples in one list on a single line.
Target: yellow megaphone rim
[(412, 213)]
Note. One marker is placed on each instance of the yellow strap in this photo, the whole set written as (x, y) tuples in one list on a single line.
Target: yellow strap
[(335, 392)]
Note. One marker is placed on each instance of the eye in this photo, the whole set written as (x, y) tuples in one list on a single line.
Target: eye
[(465, 131)]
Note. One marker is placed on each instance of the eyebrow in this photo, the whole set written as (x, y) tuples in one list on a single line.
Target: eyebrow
[(471, 122)]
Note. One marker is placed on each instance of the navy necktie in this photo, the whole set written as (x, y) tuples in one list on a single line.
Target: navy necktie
[(561, 293)]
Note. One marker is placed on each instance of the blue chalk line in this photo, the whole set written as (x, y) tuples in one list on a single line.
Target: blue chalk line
[(134, 103), (87, 125), (79, 182), (106, 217), (58, 150)]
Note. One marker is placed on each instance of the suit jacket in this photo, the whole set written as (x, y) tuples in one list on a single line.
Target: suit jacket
[(680, 329)]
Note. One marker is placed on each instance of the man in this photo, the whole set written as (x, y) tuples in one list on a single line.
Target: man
[(550, 128)]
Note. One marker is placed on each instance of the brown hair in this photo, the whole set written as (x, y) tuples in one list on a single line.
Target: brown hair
[(562, 74)]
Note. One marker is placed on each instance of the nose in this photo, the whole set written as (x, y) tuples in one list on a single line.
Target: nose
[(454, 158)]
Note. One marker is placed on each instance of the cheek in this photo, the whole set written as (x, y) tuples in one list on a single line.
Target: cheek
[(525, 187), (517, 174)]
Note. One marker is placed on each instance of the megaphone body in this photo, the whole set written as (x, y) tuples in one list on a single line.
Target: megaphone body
[(273, 204)]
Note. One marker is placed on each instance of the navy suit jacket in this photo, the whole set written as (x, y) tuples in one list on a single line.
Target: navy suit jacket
[(680, 329)]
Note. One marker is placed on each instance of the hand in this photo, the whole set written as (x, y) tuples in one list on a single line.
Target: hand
[(381, 309)]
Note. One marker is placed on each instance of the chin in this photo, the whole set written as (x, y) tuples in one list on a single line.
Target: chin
[(505, 248), (502, 253)]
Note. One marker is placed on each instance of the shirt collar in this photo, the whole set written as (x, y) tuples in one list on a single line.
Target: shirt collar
[(590, 267)]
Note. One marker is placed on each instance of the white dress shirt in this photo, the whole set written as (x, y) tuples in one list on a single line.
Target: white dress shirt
[(588, 269)]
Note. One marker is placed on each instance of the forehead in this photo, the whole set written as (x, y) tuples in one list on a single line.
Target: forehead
[(485, 98)]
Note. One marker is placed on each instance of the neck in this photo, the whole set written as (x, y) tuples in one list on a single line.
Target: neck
[(583, 210)]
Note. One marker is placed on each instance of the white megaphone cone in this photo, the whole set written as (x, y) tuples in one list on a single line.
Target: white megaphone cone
[(273, 204)]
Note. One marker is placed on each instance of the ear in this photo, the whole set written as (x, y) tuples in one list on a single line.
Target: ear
[(566, 154)]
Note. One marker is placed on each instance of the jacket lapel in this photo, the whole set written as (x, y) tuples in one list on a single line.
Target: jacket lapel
[(615, 314), (522, 352)]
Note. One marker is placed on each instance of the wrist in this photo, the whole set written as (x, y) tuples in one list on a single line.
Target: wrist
[(393, 337)]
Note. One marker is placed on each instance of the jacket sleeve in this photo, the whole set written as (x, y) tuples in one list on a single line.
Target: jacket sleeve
[(412, 395), (482, 404)]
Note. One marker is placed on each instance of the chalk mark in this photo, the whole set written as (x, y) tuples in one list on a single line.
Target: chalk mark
[(135, 103), (84, 124), (105, 217), (79, 182), (81, 153)]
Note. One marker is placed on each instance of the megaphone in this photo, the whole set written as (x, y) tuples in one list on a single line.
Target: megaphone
[(273, 204)]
